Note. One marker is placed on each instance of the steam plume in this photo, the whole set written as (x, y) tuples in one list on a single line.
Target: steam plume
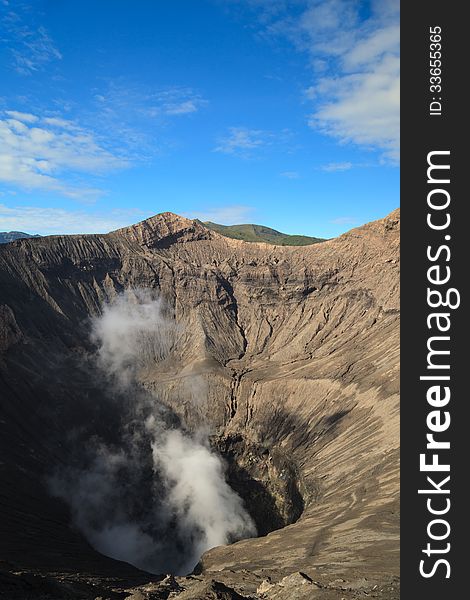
[(155, 496)]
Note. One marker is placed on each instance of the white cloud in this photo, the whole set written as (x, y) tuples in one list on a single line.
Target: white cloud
[(59, 122), (225, 215), (336, 166), (49, 221), (376, 44), (290, 174), (355, 64), (358, 99), (47, 153), (363, 108), (242, 141), (21, 116)]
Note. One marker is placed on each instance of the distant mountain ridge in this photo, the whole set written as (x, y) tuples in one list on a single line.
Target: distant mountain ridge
[(259, 233), (248, 232), (11, 236)]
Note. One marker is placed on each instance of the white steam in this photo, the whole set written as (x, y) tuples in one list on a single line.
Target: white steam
[(204, 504), (155, 496), (132, 332)]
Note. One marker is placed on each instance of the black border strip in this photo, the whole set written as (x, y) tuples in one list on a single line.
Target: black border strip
[(424, 131)]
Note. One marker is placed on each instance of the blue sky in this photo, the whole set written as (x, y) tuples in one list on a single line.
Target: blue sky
[(279, 112)]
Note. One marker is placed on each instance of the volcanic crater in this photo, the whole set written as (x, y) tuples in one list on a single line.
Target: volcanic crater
[(286, 356)]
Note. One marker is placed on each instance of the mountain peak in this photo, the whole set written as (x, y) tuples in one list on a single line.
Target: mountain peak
[(164, 229)]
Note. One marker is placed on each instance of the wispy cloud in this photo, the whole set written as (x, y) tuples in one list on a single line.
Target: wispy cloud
[(136, 115), (176, 101), (31, 48), (147, 102), (336, 166), (290, 174), (243, 142), (355, 66), (225, 215), (181, 108), (49, 153), (49, 221)]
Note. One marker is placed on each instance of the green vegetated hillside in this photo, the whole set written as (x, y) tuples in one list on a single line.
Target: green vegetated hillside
[(260, 233)]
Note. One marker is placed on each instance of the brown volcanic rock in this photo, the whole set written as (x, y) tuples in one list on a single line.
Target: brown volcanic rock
[(295, 351), (163, 230)]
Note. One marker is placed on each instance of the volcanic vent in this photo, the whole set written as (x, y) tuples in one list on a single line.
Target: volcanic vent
[(281, 360)]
